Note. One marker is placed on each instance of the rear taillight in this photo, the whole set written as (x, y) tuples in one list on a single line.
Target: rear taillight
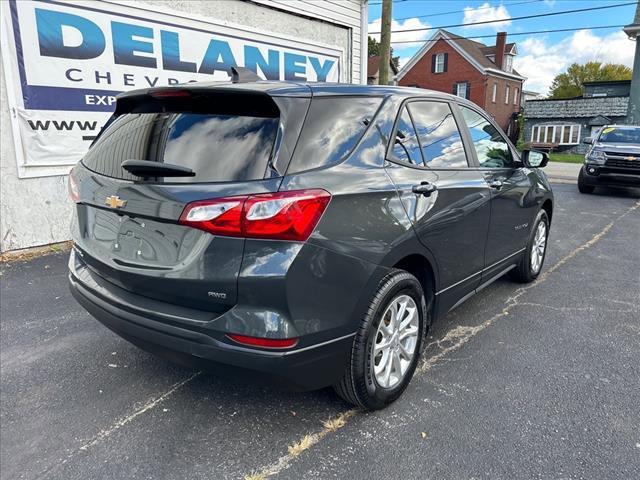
[(278, 216), (263, 342), (74, 186)]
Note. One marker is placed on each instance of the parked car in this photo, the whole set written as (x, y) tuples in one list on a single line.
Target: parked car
[(307, 234), (613, 160)]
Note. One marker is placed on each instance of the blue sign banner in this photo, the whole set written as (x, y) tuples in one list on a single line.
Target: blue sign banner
[(66, 63)]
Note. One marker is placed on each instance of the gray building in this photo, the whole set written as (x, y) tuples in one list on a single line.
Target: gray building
[(562, 125)]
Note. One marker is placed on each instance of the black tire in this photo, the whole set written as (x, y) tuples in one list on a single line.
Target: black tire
[(582, 186), (358, 384), (524, 273)]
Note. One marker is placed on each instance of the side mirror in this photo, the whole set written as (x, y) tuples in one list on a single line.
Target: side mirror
[(534, 159), (588, 140)]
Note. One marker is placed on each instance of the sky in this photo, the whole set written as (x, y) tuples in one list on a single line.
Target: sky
[(540, 56)]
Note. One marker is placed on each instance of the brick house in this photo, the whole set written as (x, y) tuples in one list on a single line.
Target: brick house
[(373, 69), (484, 74)]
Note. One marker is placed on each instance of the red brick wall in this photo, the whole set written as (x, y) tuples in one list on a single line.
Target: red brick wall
[(500, 110), (458, 70)]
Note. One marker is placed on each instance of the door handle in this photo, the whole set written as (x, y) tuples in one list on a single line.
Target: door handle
[(425, 188), (497, 184)]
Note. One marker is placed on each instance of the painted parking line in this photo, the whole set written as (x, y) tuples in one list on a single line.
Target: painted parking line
[(105, 433)]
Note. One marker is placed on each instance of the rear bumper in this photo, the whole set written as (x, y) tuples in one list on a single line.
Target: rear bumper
[(604, 176), (307, 367)]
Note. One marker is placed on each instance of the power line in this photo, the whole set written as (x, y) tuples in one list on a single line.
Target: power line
[(485, 22), (439, 14), (522, 33)]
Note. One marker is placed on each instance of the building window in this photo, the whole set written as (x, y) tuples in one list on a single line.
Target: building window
[(507, 94), (575, 134), (508, 63), (461, 89), (516, 95), (440, 63), (559, 134), (495, 93)]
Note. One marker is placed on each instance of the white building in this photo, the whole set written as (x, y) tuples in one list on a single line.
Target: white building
[(63, 62), (530, 95)]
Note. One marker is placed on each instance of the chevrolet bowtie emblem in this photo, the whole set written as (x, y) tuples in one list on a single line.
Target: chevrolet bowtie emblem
[(115, 202), (629, 158)]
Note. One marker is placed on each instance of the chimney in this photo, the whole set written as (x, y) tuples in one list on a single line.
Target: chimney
[(501, 41)]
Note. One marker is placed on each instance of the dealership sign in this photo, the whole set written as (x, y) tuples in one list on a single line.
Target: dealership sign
[(65, 63)]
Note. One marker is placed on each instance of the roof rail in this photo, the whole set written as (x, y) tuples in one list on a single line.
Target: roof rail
[(242, 74)]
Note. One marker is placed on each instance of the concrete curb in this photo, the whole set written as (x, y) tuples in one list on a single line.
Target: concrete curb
[(558, 179), (25, 254)]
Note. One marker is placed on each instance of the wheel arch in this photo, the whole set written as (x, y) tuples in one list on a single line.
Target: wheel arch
[(547, 206), (420, 267)]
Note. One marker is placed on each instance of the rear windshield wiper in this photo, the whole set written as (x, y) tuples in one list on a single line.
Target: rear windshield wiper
[(146, 169)]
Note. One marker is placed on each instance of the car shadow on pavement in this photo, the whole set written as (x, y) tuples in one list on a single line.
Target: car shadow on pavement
[(625, 192)]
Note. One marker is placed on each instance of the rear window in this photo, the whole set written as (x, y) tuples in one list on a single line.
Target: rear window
[(217, 147), (333, 127)]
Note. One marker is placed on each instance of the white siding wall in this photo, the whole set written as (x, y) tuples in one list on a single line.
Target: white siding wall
[(349, 13), (35, 211)]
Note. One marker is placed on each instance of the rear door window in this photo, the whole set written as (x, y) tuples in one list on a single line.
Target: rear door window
[(406, 147), (438, 134), (218, 148), (333, 127)]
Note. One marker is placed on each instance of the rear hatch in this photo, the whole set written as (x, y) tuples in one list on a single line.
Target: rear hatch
[(126, 225)]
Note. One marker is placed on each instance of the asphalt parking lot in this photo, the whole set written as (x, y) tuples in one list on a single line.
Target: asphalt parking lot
[(541, 381)]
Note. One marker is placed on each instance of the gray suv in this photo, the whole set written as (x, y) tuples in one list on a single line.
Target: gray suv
[(613, 160), (307, 234)]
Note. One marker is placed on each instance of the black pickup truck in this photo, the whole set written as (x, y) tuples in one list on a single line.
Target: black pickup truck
[(613, 159)]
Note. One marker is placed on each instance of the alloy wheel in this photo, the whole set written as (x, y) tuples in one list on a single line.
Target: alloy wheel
[(395, 341), (538, 247)]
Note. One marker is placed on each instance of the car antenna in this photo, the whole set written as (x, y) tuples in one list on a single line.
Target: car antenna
[(242, 74)]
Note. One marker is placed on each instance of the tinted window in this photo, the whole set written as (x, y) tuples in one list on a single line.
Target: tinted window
[(438, 134), (331, 130), (406, 147), (491, 147), (620, 135), (217, 148)]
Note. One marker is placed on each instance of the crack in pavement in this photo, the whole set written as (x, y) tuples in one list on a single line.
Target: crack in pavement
[(304, 444), (105, 433), (457, 337)]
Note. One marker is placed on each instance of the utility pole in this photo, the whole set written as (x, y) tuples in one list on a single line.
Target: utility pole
[(633, 31), (385, 43)]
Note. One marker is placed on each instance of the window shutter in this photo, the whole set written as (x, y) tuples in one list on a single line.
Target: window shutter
[(433, 64), (468, 91), (446, 62), (455, 89)]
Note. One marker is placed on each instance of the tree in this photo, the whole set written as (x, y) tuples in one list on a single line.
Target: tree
[(374, 51), (569, 84)]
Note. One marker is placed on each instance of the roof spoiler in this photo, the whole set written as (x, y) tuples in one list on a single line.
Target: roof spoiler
[(243, 75), (184, 98)]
